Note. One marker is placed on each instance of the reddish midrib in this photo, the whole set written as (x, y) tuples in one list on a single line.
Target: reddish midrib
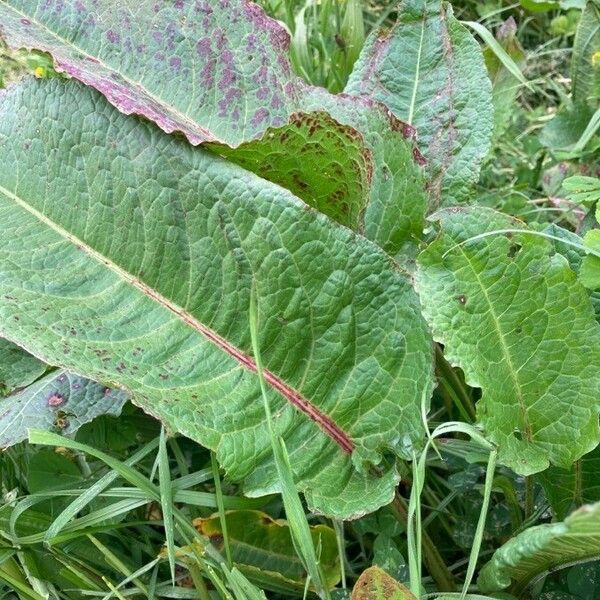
[(326, 423)]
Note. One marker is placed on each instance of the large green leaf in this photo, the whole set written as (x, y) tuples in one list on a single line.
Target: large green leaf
[(17, 368), (522, 328), (213, 70), (573, 248), (349, 158), (219, 72), (59, 401), (533, 553), (262, 548), (430, 72), (129, 257), (567, 489)]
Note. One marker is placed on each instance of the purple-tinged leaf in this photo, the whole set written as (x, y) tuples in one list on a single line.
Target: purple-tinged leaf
[(214, 70), (430, 72), (219, 72)]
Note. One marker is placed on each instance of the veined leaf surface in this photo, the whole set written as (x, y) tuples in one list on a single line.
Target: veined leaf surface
[(375, 584), (59, 401), (215, 71), (430, 72), (129, 257), (538, 550), (219, 72), (262, 548), (569, 489), (522, 328), (17, 368)]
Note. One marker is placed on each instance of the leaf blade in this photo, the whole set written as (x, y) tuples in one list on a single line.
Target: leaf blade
[(537, 550), (526, 345), (183, 42), (160, 319), (60, 400), (429, 70)]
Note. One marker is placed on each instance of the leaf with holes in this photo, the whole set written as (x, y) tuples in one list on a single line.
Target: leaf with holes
[(522, 328), (160, 307), (59, 401), (430, 72)]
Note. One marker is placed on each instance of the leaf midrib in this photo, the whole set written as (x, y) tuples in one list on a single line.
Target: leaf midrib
[(505, 350), (413, 100), (294, 397)]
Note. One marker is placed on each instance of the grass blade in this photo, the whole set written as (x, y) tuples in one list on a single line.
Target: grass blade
[(294, 510), (166, 499), (221, 506), (92, 492), (502, 55)]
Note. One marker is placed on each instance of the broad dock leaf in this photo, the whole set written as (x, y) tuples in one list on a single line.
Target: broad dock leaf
[(219, 72), (59, 401), (429, 71), (215, 71), (129, 256), (522, 328), (537, 550)]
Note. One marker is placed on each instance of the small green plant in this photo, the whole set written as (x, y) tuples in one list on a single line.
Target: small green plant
[(293, 245)]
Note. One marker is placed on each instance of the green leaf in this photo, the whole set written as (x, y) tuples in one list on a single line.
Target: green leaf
[(50, 470), (522, 329), (17, 368), (567, 127), (376, 584), (219, 73), (160, 307), (567, 489), (212, 70), (430, 72), (585, 62), (583, 190), (540, 5), (349, 159), (573, 248), (316, 158), (262, 549), (397, 201), (589, 274), (530, 555), (59, 401)]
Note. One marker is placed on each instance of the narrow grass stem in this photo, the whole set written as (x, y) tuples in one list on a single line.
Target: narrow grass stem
[(432, 558), (221, 505)]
